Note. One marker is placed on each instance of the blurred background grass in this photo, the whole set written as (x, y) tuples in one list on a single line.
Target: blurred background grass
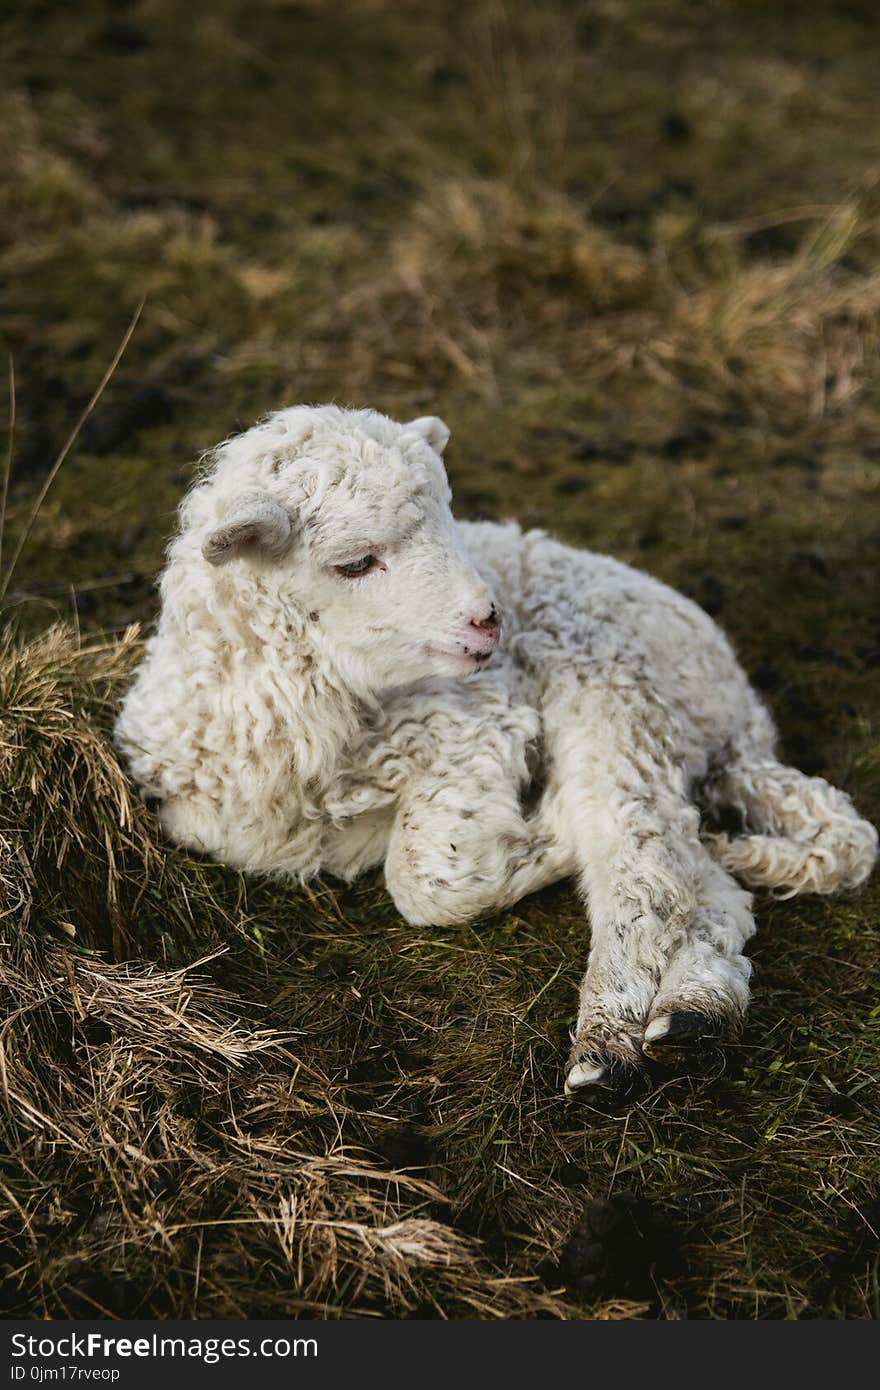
[(629, 250)]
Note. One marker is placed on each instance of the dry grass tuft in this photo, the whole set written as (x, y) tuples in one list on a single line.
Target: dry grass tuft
[(479, 271), (68, 813), (485, 274), (789, 342)]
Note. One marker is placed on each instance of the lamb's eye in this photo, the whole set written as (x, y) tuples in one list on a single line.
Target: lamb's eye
[(357, 567)]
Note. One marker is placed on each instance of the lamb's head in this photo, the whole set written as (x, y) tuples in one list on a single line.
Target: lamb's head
[(346, 517)]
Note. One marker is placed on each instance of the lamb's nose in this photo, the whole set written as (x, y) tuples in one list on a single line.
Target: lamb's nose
[(490, 624)]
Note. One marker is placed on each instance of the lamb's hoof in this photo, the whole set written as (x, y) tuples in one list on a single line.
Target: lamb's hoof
[(611, 1078), (584, 1074), (682, 1028)]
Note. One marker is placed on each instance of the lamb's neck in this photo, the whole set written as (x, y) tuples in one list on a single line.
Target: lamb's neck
[(289, 692)]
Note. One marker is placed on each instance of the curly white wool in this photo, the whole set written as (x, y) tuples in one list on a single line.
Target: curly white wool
[(319, 694)]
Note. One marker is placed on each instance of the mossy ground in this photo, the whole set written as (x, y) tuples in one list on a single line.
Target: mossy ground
[(629, 251)]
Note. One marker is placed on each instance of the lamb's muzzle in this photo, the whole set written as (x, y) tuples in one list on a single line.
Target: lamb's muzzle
[(491, 624)]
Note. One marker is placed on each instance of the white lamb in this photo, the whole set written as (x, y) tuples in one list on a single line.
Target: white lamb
[(327, 690)]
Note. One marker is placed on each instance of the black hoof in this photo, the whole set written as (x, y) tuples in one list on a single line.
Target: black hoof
[(625, 1079), (691, 1042), (692, 1024)]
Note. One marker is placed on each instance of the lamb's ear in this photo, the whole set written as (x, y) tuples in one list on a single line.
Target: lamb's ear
[(254, 523), (432, 430)]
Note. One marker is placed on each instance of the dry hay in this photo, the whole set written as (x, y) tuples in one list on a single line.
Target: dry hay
[(485, 273)]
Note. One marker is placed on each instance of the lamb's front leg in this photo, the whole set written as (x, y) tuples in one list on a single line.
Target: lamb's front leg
[(460, 848), (669, 988), (704, 992), (639, 886), (619, 796), (460, 845)]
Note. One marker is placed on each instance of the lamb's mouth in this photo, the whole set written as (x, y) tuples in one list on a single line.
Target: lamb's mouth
[(465, 657)]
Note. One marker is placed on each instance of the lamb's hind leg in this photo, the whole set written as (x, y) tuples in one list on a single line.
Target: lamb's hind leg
[(802, 835)]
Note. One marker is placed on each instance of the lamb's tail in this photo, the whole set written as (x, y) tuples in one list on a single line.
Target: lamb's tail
[(801, 834)]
